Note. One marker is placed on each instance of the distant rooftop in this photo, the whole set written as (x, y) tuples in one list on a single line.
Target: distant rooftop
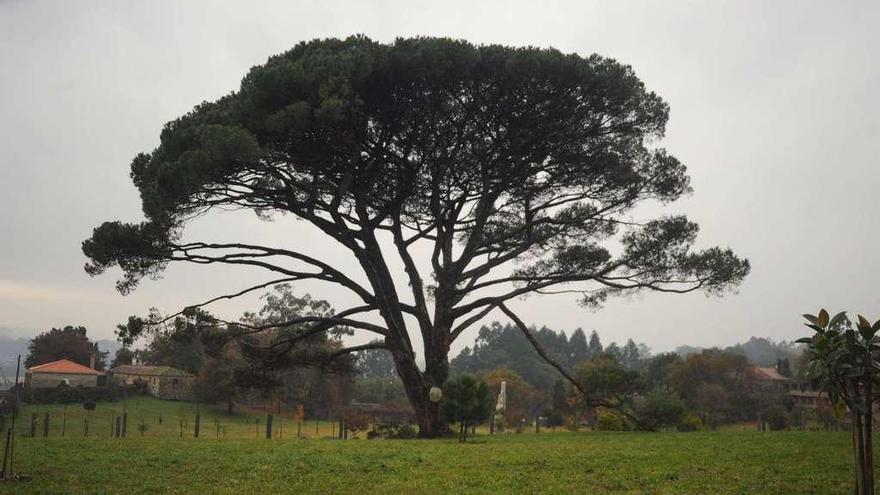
[(65, 366), (769, 374), (132, 369)]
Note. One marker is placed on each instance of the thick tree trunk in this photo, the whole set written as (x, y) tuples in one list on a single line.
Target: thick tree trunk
[(417, 385)]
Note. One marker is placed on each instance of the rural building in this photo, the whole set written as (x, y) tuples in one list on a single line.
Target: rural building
[(164, 382), (798, 390), (810, 399), (772, 376), (61, 372)]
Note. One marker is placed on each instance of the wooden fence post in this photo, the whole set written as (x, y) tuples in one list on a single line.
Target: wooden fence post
[(46, 424), (197, 425), (33, 425), (124, 424)]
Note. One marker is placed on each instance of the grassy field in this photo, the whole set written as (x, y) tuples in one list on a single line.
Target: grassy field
[(729, 462)]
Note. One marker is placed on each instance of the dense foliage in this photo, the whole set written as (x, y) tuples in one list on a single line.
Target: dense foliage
[(64, 343), (466, 401)]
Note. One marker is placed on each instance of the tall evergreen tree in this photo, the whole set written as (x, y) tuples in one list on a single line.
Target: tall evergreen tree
[(629, 357), (579, 350), (595, 346)]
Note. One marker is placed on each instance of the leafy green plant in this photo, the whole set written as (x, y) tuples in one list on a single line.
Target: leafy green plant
[(841, 360), (659, 408)]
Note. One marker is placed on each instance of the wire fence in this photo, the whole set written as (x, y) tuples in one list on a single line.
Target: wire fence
[(165, 419)]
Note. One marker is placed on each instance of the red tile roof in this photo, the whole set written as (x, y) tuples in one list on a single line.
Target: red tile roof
[(769, 374), (64, 366)]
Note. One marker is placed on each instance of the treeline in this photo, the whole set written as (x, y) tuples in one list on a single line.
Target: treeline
[(504, 346), (702, 388)]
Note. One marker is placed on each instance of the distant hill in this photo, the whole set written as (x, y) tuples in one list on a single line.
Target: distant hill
[(757, 350)]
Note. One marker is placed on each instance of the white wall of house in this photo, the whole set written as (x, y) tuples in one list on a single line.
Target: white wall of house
[(51, 380)]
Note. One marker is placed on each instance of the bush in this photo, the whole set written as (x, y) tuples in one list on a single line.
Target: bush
[(776, 418), (610, 421), (660, 408), (690, 422), (392, 430), (406, 432), (89, 405)]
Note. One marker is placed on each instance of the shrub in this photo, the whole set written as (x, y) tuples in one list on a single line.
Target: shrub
[(777, 418), (690, 422), (659, 408), (406, 432), (609, 421), (89, 405)]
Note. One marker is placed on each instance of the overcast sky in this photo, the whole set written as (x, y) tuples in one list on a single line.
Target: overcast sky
[(774, 109)]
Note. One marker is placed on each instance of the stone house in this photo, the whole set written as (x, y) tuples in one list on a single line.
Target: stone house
[(164, 382), (61, 372)]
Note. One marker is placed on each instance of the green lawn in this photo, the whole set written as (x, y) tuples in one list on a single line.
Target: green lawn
[(730, 462)]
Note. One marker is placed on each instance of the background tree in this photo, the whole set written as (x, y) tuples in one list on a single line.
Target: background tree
[(124, 355), (216, 381), (658, 408), (606, 378), (656, 370), (504, 346), (64, 343), (717, 384), (524, 402), (377, 380), (578, 349), (375, 363), (466, 401), (176, 347), (517, 169), (595, 345)]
